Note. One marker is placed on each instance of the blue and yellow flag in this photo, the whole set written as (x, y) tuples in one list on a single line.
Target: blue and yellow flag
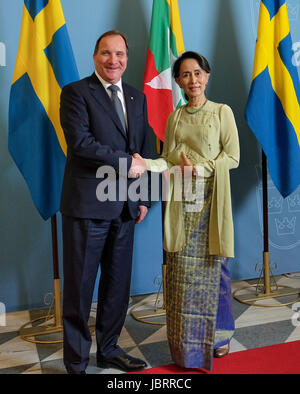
[(273, 111), (44, 64)]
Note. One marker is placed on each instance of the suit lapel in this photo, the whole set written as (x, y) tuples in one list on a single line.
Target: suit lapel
[(103, 99)]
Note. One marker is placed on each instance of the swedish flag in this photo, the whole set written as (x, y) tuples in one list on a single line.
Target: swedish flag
[(273, 111), (44, 64)]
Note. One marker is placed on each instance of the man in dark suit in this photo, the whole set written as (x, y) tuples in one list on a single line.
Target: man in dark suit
[(105, 122)]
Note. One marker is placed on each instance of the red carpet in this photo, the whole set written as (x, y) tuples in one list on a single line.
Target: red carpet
[(277, 359)]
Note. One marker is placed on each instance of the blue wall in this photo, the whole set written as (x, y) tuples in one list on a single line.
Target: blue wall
[(222, 30)]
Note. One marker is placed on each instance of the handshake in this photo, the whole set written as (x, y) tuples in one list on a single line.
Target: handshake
[(138, 166)]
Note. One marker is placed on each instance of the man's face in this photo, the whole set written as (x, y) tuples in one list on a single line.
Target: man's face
[(111, 58)]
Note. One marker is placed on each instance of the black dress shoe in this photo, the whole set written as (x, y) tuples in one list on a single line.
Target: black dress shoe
[(124, 362)]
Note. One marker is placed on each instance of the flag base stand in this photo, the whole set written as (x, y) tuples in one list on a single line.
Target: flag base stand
[(45, 331), (266, 290), (154, 311), (44, 326), (145, 314), (29, 334), (251, 299)]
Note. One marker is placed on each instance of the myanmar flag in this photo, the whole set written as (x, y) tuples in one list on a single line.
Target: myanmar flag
[(166, 44)]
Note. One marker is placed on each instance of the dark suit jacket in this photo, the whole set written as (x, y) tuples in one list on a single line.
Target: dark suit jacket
[(95, 138)]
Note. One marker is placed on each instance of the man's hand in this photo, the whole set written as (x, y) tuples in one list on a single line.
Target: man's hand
[(143, 213), (138, 166), (186, 163)]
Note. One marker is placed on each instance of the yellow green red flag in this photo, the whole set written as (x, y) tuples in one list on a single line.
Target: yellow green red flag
[(166, 44)]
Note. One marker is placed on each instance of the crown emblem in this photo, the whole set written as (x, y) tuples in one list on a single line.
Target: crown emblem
[(285, 226), (294, 203), (275, 205)]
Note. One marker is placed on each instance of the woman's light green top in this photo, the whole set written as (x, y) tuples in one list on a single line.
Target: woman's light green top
[(209, 138)]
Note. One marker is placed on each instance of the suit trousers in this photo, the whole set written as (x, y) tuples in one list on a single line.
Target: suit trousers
[(88, 244)]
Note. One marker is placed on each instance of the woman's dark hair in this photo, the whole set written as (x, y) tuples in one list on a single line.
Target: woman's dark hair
[(203, 63)]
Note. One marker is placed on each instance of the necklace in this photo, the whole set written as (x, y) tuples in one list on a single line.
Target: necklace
[(196, 110)]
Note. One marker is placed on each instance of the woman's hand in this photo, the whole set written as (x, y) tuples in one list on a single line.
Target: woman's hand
[(190, 170)]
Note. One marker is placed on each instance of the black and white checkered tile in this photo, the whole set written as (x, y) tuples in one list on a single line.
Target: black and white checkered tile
[(255, 327)]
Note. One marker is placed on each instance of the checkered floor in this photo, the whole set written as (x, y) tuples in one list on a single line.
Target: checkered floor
[(256, 326)]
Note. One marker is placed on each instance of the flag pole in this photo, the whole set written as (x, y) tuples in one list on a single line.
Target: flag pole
[(32, 334), (266, 260), (252, 297), (56, 278)]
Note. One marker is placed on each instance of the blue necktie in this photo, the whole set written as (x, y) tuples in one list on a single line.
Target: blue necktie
[(117, 104)]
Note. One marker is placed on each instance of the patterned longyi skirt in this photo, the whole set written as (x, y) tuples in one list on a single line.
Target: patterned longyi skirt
[(198, 294)]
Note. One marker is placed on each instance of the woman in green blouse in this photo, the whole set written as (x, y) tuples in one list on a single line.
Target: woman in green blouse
[(198, 236)]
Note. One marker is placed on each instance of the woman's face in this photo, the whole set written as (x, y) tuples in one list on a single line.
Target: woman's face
[(192, 79)]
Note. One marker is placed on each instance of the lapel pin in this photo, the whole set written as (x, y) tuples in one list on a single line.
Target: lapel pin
[(131, 98)]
